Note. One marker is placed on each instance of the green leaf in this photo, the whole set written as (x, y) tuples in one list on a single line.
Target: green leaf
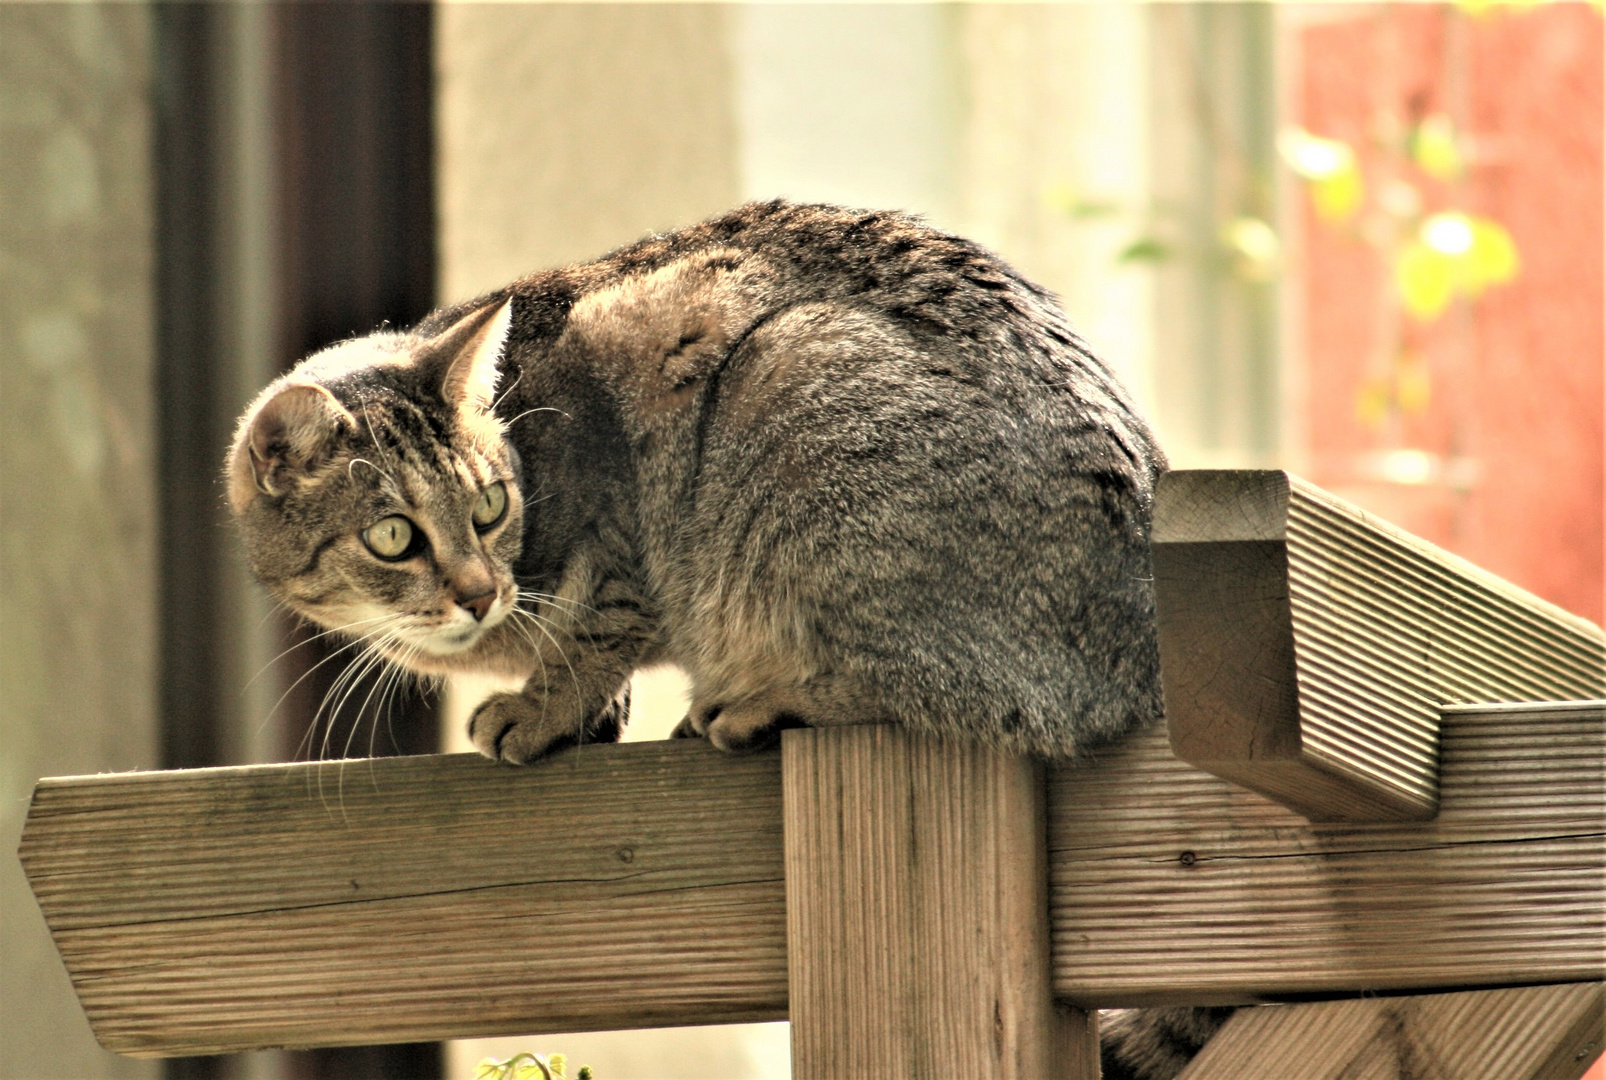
[(1144, 249), (1089, 209)]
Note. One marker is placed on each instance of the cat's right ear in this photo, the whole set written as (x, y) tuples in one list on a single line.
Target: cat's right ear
[(471, 349), (282, 439)]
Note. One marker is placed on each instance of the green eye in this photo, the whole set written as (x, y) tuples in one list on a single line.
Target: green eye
[(390, 538), (490, 506)]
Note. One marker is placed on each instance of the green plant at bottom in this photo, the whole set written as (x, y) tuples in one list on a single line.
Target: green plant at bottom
[(529, 1066)]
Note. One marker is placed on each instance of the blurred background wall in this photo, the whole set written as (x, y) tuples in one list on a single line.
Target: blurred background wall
[(78, 492), (1361, 241)]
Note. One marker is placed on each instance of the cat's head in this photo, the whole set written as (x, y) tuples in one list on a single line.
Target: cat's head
[(376, 494)]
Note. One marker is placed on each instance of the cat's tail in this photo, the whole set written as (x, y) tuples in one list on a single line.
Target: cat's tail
[(1154, 1044)]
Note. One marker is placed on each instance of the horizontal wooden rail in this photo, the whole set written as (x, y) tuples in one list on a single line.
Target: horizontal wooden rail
[(643, 884), (1168, 885), (1306, 646)]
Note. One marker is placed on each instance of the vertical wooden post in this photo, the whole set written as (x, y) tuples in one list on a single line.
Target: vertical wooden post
[(917, 912)]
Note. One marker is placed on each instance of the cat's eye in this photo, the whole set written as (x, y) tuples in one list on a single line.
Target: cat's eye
[(391, 538), (490, 506)]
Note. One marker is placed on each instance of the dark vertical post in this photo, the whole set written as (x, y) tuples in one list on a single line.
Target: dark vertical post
[(353, 244), (187, 368), (354, 108)]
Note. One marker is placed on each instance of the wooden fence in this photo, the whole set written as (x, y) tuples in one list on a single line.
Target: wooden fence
[(1353, 822)]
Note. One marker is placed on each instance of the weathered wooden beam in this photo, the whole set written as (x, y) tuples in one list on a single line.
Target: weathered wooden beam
[(642, 884), (917, 912), (416, 898), (1170, 886), (1520, 1033), (1306, 646)]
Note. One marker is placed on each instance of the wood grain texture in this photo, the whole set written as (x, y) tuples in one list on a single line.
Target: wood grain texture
[(642, 884), (917, 919), (416, 898), (1306, 646), (1521, 1033), (1171, 886)]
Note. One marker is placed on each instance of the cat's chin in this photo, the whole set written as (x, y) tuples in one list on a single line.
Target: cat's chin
[(454, 642)]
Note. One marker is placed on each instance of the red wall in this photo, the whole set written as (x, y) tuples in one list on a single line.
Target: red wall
[(1516, 376)]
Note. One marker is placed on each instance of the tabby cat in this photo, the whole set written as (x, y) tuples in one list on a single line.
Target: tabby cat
[(839, 467)]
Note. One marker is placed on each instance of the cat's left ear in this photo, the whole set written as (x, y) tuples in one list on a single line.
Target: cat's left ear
[(472, 348)]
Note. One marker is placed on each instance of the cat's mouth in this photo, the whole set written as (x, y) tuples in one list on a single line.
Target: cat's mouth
[(462, 632)]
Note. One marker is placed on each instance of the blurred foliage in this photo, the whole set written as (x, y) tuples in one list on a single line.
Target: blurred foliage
[(1453, 254), (1331, 169), (1482, 8), (1435, 257), (1436, 254), (529, 1066)]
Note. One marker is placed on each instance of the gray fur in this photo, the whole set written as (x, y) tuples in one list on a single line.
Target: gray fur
[(1154, 1044), (840, 467)]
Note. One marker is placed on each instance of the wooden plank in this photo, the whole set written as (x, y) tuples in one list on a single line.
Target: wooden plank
[(917, 914), (1306, 646), (642, 884), (1171, 886), (416, 898), (1521, 1033)]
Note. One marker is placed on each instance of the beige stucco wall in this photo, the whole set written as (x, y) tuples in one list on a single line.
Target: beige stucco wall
[(568, 129), (77, 469)]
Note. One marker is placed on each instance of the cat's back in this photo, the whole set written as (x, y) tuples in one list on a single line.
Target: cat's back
[(909, 462)]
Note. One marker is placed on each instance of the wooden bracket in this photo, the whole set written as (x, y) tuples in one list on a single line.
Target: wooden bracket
[(1516, 1033), (1306, 647)]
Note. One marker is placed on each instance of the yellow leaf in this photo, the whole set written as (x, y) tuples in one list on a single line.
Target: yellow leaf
[(1425, 279), (1372, 403), (1492, 259), (1337, 197), (1413, 385), (1448, 233), (1435, 148), (1313, 157), (1255, 247), (1331, 168)]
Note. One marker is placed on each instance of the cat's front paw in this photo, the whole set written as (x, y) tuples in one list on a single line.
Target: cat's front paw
[(516, 729)]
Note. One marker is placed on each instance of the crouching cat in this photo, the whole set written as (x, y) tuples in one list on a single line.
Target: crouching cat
[(839, 467)]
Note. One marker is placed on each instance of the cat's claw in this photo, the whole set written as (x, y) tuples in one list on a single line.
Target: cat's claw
[(512, 728)]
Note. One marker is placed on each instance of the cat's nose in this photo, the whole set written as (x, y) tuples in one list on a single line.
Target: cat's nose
[(478, 606)]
